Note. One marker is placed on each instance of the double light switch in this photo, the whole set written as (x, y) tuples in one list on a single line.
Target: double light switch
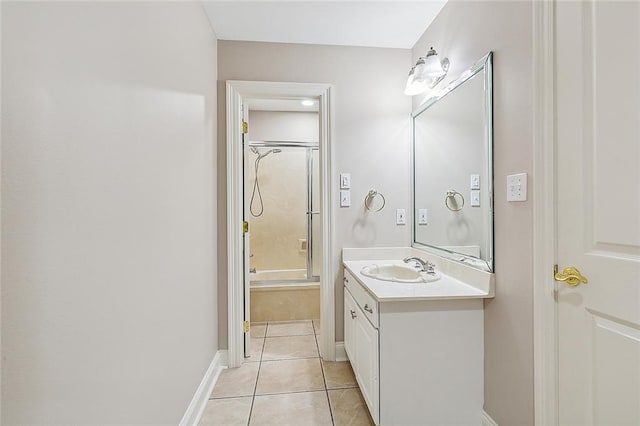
[(345, 186)]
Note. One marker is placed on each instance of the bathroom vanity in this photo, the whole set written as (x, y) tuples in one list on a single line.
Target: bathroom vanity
[(416, 348), (416, 339)]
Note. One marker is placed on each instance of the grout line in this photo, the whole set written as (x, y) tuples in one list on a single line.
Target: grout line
[(290, 359), (255, 387), (290, 392), (291, 335), (229, 397), (324, 380)]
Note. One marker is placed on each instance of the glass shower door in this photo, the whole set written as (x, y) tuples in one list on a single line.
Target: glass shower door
[(315, 235)]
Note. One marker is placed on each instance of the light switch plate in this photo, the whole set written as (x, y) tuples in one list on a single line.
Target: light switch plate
[(345, 198), (401, 217), (345, 180), (475, 182), (517, 187), (475, 198), (422, 217)]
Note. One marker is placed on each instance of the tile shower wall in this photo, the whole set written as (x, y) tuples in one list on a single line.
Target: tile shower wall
[(276, 233)]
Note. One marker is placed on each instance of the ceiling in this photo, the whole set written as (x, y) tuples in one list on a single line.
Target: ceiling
[(394, 24)]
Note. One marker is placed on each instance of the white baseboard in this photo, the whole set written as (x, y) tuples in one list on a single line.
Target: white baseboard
[(341, 354), (201, 397), (487, 420)]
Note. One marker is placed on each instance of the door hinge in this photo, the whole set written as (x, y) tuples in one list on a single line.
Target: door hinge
[(245, 326), (245, 127), (245, 226)]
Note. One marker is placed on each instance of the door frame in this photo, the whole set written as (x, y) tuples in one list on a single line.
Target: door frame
[(545, 314), (235, 92)]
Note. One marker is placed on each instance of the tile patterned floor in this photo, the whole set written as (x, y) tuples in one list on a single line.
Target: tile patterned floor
[(285, 382)]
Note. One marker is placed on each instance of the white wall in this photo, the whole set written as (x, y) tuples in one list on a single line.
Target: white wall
[(371, 130), (108, 195), (465, 32), (0, 210)]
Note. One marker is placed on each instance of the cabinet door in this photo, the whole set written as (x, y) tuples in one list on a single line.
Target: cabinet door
[(367, 356), (350, 317)]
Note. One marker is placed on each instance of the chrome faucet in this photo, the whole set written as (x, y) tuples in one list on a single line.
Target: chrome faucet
[(427, 266)]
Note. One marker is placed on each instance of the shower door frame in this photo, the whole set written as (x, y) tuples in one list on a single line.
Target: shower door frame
[(309, 147), (236, 92)]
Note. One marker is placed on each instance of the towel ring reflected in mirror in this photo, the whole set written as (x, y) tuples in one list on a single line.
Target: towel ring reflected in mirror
[(452, 202), (370, 198)]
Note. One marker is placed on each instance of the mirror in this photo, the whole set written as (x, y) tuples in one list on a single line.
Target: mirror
[(453, 171)]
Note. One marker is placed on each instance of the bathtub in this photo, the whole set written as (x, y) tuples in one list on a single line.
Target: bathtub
[(287, 299), (277, 275)]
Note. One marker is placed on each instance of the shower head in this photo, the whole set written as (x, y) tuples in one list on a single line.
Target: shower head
[(274, 150)]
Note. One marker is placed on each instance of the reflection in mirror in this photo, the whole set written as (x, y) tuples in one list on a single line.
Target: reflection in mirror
[(452, 170)]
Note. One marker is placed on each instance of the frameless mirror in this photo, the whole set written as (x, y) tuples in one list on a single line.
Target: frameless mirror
[(453, 171)]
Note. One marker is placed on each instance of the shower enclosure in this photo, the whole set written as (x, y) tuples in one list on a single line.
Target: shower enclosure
[(282, 198)]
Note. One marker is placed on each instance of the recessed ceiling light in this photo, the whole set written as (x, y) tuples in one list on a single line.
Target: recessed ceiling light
[(307, 102)]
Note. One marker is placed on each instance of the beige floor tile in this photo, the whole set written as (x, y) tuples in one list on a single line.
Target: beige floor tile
[(256, 349), (348, 408), (289, 347), (239, 381), (339, 375), (295, 409), (316, 326), (258, 330), (227, 411), (289, 328), (295, 375)]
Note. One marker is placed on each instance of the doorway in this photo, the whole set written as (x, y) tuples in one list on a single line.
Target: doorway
[(282, 196), (239, 93)]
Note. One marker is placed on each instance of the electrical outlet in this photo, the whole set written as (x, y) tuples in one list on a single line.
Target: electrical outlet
[(422, 216), (475, 198), (517, 187), (345, 198), (401, 217)]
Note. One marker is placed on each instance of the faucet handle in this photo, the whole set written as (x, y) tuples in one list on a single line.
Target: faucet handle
[(430, 267)]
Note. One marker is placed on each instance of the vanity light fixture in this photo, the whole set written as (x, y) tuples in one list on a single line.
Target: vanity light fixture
[(413, 87), (426, 73)]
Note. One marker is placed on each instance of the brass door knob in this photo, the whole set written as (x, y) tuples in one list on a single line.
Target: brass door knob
[(570, 275)]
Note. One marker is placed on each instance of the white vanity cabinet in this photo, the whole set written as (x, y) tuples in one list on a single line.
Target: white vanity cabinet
[(361, 343), (416, 361)]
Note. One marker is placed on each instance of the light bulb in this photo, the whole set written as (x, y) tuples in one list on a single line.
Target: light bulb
[(430, 68)]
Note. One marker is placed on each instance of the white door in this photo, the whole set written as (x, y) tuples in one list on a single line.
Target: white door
[(598, 211)]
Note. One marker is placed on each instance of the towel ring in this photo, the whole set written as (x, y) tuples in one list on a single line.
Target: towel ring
[(451, 195), (368, 199)]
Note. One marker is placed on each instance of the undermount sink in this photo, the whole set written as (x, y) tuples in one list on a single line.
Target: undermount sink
[(398, 273)]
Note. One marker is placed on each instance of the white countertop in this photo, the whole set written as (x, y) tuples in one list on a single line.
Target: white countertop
[(449, 286)]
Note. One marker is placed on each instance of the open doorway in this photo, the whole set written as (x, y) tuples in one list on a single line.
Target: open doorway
[(240, 156), (282, 206)]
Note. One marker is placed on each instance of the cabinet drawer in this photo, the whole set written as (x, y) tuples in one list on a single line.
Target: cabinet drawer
[(365, 301)]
